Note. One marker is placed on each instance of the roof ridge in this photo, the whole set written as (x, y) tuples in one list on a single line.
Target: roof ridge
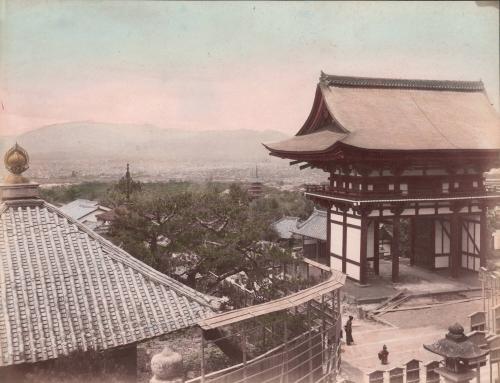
[(380, 82), (136, 264)]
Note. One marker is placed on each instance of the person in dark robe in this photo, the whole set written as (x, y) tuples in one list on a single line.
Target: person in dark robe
[(348, 331), (383, 355)]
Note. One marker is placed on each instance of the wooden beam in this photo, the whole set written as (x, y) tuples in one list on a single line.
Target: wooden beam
[(395, 248), (344, 243), (413, 233), (364, 247), (484, 242), (455, 244), (376, 248), (329, 234)]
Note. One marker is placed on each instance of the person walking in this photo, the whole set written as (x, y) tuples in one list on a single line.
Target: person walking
[(348, 331)]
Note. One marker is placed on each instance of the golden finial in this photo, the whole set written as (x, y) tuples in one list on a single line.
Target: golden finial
[(16, 161)]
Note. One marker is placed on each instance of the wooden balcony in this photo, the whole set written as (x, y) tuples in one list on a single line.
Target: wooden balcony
[(421, 192)]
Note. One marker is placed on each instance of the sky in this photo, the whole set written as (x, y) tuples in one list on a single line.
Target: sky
[(234, 65)]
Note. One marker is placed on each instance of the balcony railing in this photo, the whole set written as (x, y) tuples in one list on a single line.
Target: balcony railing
[(422, 192)]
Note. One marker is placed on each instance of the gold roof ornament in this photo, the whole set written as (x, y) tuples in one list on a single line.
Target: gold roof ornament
[(16, 161)]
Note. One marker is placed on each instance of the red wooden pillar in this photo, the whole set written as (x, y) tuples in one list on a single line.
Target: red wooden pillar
[(363, 248), (455, 243), (412, 240), (329, 235), (376, 253), (395, 248), (344, 242), (485, 239)]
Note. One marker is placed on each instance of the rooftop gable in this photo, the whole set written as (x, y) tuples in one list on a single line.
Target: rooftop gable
[(396, 114)]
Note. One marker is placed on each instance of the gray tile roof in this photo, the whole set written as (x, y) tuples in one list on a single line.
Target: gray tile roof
[(314, 226), (285, 225), (64, 287), (79, 208)]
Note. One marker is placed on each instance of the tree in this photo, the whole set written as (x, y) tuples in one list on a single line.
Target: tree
[(210, 236)]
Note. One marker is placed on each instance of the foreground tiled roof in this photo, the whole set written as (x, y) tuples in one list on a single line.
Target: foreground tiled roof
[(314, 226), (65, 288), (395, 114)]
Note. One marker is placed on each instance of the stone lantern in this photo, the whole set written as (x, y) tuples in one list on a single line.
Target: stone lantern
[(460, 355)]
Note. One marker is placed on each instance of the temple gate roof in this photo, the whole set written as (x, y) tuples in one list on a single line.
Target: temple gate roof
[(396, 114)]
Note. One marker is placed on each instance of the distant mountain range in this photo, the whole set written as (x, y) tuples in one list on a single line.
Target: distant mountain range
[(91, 140)]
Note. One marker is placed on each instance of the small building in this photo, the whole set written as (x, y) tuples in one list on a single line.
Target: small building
[(313, 234), (85, 211), (67, 291), (284, 228), (397, 149)]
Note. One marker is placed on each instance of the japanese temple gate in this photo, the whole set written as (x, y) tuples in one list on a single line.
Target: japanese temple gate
[(450, 232), (413, 150)]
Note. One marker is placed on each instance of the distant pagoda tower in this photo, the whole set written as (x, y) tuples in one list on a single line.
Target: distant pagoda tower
[(255, 189), (127, 185)]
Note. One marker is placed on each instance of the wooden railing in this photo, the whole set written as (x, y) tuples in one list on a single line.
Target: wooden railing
[(421, 192)]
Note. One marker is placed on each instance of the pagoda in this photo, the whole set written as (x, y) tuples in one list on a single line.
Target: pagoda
[(399, 149)]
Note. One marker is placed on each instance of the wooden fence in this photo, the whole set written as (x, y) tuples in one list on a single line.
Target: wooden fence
[(413, 371), (293, 339), (303, 359)]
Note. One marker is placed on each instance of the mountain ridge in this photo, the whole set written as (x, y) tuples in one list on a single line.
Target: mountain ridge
[(92, 140)]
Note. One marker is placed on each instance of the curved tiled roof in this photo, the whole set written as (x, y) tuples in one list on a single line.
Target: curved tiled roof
[(396, 114), (285, 225), (314, 226), (80, 208), (65, 288)]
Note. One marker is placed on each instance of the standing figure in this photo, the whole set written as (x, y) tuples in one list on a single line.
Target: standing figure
[(383, 355), (348, 331)]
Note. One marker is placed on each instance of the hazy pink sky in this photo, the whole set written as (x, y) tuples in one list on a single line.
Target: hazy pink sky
[(223, 65)]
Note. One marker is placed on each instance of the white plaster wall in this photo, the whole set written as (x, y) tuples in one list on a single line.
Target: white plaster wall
[(426, 210), (442, 262), (353, 249), (353, 271), (441, 239), (336, 238), (336, 264), (408, 212), (353, 221), (370, 251), (496, 239)]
